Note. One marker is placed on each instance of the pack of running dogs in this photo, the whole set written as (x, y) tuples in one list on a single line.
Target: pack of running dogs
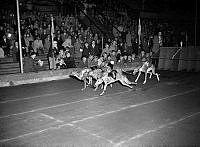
[(107, 76)]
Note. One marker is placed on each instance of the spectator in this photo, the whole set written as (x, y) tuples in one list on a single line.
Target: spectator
[(125, 60), (78, 49), (86, 51), (133, 57), (106, 49), (129, 43), (69, 61), (96, 37), (113, 56), (60, 58), (67, 44), (44, 35), (118, 54), (2, 32), (83, 63), (121, 47), (15, 52), (59, 41), (100, 62), (5, 44), (90, 59), (38, 46), (113, 46), (47, 43), (94, 49), (32, 64), (1, 53), (64, 35), (142, 56)]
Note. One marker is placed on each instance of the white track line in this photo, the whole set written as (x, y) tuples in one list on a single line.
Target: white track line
[(38, 96), (136, 105), (92, 134), (32, 133), (157, 129), (59, 105), (99, 115), (51, 117)]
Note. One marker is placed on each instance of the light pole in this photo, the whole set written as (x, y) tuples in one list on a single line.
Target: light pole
[(195, 25), (19, 36)]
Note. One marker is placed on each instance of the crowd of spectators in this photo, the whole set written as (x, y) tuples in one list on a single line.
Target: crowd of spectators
[(76, 46)]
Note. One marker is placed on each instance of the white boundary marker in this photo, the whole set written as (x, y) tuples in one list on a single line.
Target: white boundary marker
[(64, 104), (44, 95), (51, 117), (38, 96), (99, 115), (92, 134), (136, 105), (157, 129)]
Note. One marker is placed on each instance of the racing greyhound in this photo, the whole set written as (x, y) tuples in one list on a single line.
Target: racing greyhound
[(146, 68), (111, 77)]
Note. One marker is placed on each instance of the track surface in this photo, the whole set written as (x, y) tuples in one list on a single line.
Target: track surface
[(58, 113)]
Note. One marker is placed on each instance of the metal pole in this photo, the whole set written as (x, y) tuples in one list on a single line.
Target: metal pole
[(52, 39), (195, 26), (19, 35)]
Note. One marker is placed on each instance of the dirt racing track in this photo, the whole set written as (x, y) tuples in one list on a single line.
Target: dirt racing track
[(58, 113)]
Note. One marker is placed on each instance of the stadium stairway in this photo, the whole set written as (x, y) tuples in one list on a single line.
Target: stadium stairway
[(7, 66)]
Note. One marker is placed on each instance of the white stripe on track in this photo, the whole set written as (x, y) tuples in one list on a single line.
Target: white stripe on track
[(136, 105), (59, 105), (99, 115), (51, 117), (91, 134), (38, 96), (157, 129)]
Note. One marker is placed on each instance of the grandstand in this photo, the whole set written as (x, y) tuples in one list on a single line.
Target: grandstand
[(110, 20)]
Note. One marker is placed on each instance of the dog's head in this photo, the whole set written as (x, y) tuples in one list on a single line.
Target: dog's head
[(98, 82), (74, 74), (135, 71), (147, 63)]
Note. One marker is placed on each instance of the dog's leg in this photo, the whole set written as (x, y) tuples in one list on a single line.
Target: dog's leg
[(145, 78), (99, 82), (101, 86), (157, 75), (138, 76), (104, 88), (125, 84), (90, 78), (150, 74), (85, 84), (96, 87)]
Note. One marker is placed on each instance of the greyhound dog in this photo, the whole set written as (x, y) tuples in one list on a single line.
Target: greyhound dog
[(83, 76), (111, 77), (147, 68)]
